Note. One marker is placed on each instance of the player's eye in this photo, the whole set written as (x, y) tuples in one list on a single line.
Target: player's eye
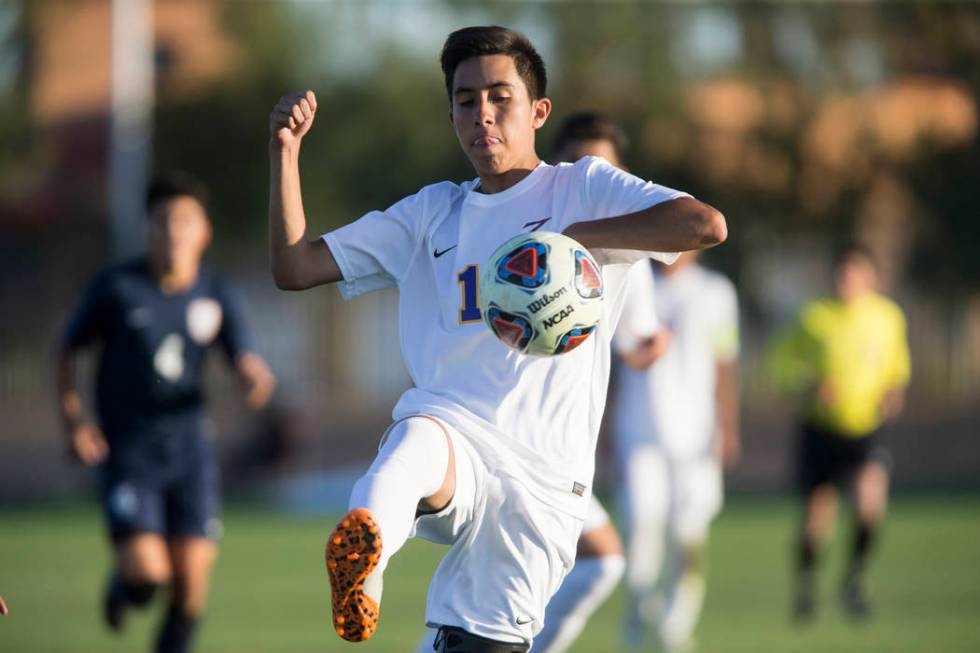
[(500, 99), (465, 102)]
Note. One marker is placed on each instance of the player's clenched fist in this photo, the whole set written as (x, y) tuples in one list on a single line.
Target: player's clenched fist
[(292, 117)]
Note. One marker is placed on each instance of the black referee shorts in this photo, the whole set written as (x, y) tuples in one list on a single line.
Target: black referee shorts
[(826, 456)]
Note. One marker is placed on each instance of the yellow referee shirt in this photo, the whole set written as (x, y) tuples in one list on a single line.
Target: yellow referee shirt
[(860, 349)]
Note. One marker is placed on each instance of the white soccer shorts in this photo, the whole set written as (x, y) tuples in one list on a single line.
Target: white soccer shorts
[(508, 552), (680, 496)]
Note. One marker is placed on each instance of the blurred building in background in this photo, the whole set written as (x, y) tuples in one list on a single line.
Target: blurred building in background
[(805, 124)]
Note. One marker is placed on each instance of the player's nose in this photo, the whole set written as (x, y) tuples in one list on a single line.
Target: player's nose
[(483, 113)]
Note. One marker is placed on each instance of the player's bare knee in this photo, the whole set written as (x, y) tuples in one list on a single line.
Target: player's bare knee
[(599, 542), (692, 557), (144, 562)]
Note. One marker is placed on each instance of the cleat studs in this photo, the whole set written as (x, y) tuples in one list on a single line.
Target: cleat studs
[(340, 631), (341, 620), (345, 523), (352, 556), (337, 540)]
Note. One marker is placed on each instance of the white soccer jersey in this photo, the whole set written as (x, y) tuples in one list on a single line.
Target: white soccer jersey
[(673, 402), (534, 418)]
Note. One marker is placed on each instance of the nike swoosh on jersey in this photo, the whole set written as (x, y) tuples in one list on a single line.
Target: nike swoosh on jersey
[(523, 621), (535, 224), (436, 253)]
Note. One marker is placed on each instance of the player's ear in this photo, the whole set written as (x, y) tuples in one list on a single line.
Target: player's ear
[(450, 114), (541, 109)]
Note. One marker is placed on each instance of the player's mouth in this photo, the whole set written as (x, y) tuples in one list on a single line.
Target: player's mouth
[(486, 141)]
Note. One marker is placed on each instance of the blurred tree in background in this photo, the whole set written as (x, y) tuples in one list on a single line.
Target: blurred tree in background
[(807, 124), (856, 122)]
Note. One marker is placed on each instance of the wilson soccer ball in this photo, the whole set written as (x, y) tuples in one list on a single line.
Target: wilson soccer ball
[(541, 293)]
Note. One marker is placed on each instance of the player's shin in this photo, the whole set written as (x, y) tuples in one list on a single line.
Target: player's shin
[(177, 633), (411, 466)]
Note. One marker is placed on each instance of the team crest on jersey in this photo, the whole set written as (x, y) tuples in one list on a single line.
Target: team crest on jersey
[(203, 320), (168, 360)]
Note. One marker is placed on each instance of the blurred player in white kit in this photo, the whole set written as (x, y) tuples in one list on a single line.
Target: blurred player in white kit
[(675, 424)]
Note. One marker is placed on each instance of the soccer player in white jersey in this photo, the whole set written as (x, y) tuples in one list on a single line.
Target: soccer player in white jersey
[(599, 560), (491, 451), (675, 423)]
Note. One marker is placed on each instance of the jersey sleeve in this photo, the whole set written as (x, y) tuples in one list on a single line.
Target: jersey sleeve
[(639, 318), (374, 252), (724, 327), (88, 323), (235, 335), (793, 360), (608, 191), (901, 366)]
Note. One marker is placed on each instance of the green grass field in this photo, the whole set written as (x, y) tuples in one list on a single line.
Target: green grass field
[(270, 590)]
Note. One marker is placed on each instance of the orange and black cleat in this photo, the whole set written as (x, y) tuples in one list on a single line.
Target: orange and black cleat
[(352, 553)]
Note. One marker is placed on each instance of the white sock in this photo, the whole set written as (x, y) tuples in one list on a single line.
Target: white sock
[(584, 589), (685, 597), (645, 500), (646, 549), (427, 645), (410, 466)]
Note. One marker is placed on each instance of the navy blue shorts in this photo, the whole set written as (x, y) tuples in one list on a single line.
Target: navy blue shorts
[(168, 488)]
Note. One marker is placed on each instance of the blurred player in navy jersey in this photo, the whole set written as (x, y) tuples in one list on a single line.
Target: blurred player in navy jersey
[(154, 319)]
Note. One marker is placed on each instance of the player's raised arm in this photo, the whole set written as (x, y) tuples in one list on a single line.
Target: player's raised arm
[(86, 443), (297, 262), (676, 225)]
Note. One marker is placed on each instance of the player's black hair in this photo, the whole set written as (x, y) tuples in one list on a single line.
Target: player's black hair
[(591, 126), (485, 41), (169, 185), (854, 251)]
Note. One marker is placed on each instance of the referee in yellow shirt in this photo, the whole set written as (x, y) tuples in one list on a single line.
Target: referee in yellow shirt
[(847, 359)]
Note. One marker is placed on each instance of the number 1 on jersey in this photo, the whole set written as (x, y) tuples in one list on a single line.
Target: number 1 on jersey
[(469, 280)]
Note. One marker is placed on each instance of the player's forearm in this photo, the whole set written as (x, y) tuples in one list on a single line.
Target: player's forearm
[(296, 263), (726, 398), (258, 379), (70, 409), (674, 226), (287, 220)]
